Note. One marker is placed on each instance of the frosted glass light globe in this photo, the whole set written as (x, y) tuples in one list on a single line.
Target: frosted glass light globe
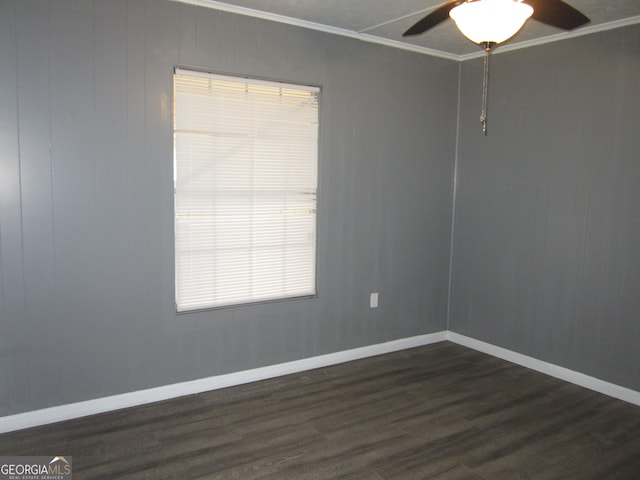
[(490, 21)]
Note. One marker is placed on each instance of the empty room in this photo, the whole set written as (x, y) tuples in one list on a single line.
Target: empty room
[(355, 239)]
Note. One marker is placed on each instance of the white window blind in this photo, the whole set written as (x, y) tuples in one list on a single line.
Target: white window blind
[(245, 173)]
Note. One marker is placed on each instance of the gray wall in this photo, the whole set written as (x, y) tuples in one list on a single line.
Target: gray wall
[(86, 226), (547, 227)]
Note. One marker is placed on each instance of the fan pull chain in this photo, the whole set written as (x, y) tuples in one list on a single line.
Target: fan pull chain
[(485, 91)]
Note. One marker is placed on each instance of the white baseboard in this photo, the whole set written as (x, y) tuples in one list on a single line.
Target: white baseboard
[(132, 399), (610, 389)]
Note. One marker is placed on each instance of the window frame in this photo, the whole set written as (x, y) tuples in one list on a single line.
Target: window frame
[(315, 161)]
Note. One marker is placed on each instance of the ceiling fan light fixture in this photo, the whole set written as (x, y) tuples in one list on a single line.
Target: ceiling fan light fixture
[(490, 21)]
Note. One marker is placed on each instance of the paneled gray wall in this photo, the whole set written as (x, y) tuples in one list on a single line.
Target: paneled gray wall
[(86, 226), (547, 227)]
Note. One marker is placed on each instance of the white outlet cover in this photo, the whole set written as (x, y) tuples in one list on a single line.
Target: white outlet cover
[(373, 300)]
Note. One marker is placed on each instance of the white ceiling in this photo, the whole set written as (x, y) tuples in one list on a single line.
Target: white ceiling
[(384, 21)]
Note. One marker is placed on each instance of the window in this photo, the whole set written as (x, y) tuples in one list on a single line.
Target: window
[(245, 178)]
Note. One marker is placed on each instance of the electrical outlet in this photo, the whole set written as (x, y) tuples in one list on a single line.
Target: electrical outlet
[(373, 300)]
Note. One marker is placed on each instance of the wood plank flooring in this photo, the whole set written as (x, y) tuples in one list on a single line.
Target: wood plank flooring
[(436, 412)]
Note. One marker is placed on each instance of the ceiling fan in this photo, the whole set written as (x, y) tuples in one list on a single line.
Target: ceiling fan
[(491, 22)]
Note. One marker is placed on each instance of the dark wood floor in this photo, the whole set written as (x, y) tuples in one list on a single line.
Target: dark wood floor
[(435, 412)]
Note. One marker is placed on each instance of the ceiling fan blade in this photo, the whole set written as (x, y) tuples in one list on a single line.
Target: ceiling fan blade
[(557, 14), (435, 17)]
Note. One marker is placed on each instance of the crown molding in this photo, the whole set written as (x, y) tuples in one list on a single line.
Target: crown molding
[(343, 32), (602, 27), (365, 37)]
